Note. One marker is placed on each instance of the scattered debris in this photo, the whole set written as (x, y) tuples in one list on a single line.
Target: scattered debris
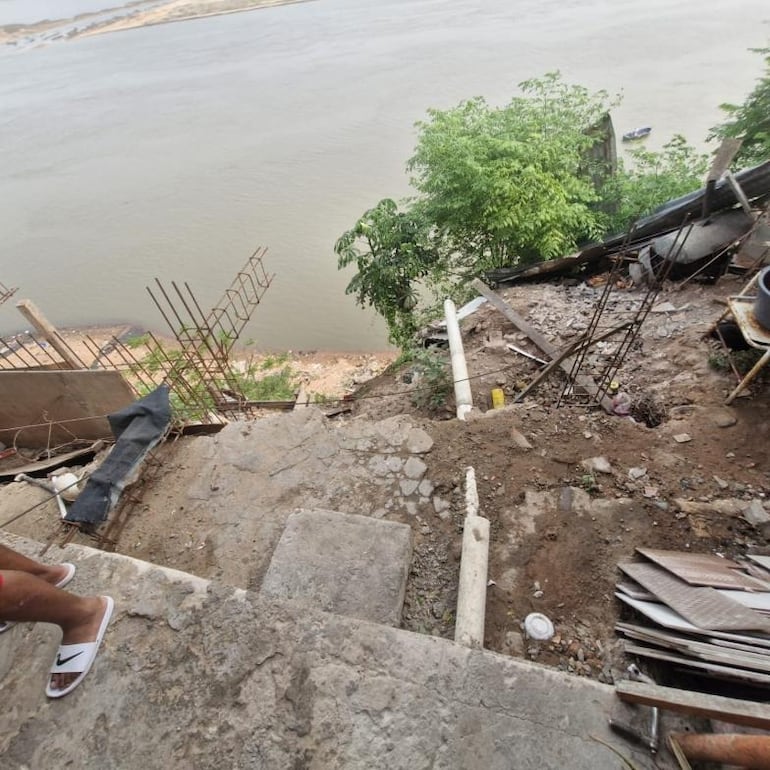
[(597, 464), (707, 628)]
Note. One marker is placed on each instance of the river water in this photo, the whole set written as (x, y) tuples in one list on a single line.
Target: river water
[(172, 151)]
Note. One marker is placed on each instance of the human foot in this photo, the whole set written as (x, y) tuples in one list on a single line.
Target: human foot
[(80, 643)]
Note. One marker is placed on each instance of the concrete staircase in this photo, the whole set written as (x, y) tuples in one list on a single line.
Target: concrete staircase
[(194, 674)]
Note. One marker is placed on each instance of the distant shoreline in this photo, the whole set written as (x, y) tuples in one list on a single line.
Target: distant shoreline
[(50, 31)]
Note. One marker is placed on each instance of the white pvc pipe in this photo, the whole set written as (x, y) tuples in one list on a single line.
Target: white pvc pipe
[(472, 591), (463, 395)]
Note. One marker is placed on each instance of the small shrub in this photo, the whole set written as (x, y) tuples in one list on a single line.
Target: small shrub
[(138, 341), (433, 382)]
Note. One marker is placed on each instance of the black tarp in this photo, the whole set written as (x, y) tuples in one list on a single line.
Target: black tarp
[(137, 429)]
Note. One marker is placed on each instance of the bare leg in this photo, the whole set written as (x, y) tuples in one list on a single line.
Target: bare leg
[(24, 597), (12, 560)]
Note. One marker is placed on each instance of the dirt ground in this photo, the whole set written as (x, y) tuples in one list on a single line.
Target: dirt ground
[(558, 528)]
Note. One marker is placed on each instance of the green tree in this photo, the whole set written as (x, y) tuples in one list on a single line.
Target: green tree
[(650, 179), (750, 121), (511, 184), (495, 186), (393, 254)]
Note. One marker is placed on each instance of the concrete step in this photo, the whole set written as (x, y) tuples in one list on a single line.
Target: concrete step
[(198, 675)]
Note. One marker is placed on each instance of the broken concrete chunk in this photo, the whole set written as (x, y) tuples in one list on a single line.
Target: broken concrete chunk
[(756, 514), (597, 464), (721, 483), (637, 473), (682, 438)]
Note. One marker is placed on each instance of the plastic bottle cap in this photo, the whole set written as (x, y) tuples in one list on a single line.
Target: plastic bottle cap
[(538, 626)]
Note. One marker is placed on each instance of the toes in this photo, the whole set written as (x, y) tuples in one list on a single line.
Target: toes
[(62, 681)]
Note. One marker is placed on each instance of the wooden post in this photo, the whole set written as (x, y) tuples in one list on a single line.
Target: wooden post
[(33, 314), (732, 710)]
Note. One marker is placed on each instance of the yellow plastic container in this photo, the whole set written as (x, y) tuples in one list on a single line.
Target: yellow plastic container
[(498, 398)]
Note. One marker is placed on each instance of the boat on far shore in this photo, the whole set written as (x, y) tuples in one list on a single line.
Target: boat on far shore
[(637, 133)]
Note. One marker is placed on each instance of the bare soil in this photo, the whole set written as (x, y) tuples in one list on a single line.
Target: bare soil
[(559, 531)]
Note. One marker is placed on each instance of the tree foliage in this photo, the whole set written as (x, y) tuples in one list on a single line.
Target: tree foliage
[(509, 184), (650, 179), (750, 121), (393, 253)]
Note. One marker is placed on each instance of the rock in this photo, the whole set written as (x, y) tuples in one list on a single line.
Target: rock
[(721, 483), (440, 505), (723, 417), (650, 492), (598, 464), (514, 643), (415, 468), (682, 438), (426, 488), (418, 441), (663, 307), (408, 486), (756, 514), (494, 340), (637, 473), (519, 440)]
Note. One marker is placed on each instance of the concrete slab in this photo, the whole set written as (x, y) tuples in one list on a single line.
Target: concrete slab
[(195, 676), (342, 563)]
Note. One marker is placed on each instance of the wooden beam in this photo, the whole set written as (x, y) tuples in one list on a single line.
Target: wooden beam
[(723, 157), (49, 332), (583, 381), (739, 194), (732, 710)]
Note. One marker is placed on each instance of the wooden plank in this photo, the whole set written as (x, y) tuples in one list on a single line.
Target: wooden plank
[(35, 316), (42, 409), (739, 194), (723, 672), (732, 710), (756, 661), (723, 157), (583, 381)]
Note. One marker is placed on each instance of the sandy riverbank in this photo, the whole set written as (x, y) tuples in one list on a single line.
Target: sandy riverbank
[(128, 15), (324, 372)]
